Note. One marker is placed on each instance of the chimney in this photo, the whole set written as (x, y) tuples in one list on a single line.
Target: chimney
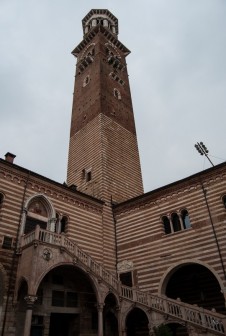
[(9, 157)]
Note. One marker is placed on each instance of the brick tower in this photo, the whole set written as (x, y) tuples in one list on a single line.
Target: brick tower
[(103, 154)]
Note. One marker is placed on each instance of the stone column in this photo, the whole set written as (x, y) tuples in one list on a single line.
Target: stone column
[(100, 308), (30, 299)]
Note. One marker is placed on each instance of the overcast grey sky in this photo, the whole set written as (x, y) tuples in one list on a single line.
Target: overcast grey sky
[(177, 71)]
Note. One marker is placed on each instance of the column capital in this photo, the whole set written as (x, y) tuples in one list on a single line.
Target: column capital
[(30, 299), (100, 306)]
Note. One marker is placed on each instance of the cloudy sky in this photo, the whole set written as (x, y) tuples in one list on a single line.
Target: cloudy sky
[(177, 71)]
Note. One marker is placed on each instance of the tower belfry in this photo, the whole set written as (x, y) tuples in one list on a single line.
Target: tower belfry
[(103, 154)]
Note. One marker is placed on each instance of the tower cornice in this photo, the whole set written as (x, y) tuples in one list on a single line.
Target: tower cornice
[(88, 38)]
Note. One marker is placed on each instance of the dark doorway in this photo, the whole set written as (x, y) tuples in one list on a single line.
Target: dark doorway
[(195, 284), (137, 323), (110, 316), (64, 324), (177, 329)]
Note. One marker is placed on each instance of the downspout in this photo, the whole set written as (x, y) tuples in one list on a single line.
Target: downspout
[(213, 228), (14, 256), (114, 220)]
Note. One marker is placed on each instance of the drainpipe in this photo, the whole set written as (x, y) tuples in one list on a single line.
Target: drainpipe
[(213, 228), (114, 220), (14, 257)]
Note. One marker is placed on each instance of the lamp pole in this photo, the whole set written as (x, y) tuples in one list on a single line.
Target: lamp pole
[(201, 148)]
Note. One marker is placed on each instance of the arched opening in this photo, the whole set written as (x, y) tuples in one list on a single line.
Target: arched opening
[(175, 222), (166, 224), (110, 316), (185, 219), (66, 304), (137, 323), (196, 284), (1, 200)]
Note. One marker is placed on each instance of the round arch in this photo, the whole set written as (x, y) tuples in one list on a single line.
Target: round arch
[(89, 276), (173, 268), (194, 282), (110, 315), (136, 322)]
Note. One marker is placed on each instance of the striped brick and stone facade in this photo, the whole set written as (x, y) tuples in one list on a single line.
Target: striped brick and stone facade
[(95, 255)]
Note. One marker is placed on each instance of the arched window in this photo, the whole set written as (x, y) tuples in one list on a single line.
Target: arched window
[(86, 80), (185, 219), (61, 224), (166, 224), (117, 94), (64, 222), (224, 201), (1, 200), (176, 222)]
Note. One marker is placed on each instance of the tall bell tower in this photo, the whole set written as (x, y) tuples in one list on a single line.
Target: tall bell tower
[(103, 156)]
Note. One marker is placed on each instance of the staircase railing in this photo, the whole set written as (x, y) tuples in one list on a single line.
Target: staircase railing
[(191, 314)]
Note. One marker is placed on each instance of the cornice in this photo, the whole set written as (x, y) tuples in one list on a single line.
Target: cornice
[(173, 190), (47, 187), (88, 38)]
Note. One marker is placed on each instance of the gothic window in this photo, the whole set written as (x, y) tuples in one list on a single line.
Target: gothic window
[(175, 222), (185, 219), (224, 201), (117, 94), (36, 215), (166, 224)]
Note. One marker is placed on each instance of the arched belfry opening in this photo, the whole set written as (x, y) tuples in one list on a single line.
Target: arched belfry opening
[(195, 284), (110, 316), (137, 323)]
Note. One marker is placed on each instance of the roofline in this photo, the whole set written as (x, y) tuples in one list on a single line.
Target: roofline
[(168, 186), (46, 179), (100, 11)]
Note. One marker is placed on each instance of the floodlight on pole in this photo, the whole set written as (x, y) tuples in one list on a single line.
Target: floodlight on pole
[(201, 148)]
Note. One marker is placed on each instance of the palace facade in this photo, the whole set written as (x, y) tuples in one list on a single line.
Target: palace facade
[(96, 256)]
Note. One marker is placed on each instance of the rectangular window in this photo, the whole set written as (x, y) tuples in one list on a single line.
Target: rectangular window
[(57, 298), (126, 279), (88, 176), (71, 299), (7, 242)]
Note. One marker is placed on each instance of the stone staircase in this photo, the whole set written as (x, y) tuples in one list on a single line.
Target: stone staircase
[(203, 319)]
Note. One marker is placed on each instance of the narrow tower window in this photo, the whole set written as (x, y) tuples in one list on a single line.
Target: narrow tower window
[(86, 80), (117, 94)]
